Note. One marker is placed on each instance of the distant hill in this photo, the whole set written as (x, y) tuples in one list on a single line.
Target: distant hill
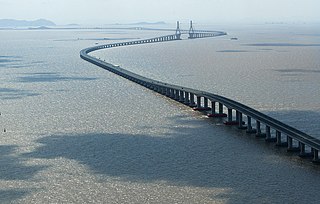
[(73, 24), (142, 23), (149, 23), (23, 23)]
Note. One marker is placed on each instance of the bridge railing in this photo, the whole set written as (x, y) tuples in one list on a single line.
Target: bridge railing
[(200, 100)]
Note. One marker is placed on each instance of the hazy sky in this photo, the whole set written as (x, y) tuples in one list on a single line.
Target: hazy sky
[(126, 11)]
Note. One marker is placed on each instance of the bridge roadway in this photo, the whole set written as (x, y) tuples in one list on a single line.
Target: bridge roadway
[(295, 140)]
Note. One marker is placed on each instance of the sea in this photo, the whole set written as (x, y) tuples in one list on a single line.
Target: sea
[(71, 132)]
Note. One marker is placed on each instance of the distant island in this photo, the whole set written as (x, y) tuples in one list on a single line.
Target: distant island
[(143, 23), (12, 23), (149, 23)]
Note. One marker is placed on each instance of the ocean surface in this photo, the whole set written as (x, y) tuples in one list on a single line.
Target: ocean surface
[(72, 132)]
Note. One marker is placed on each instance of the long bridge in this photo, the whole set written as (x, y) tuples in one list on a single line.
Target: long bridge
[(215, 105)]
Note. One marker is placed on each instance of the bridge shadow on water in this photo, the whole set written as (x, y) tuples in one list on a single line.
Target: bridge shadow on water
[(50, 77), (12, 169), (7, 196), (197, 156)]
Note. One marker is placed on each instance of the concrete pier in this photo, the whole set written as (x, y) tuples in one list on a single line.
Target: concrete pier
[(241, 122), (214, 114), (186, 98), (250, 130), (181, 98), (258, 128), (290, 147), (192, 103), (268, 135), (199, 104), (316, 156)]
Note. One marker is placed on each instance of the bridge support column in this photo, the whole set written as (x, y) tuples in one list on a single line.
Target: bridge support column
[(186, 98), (160, 89), (289, 140), (181, 98), (163, 90), (213, 110), (205, 103), (213, 107), (192, 103), (172, 93), (176, 97), (230, 119), (221, 109), (214, 114), (278, 140), (229, 115), (198, 102), (268, 135), (290, 145), (168, 92), (240, 121), (237, 116), (259, 133), (156, 88), (249, 126), (303, 152), (316, 156)]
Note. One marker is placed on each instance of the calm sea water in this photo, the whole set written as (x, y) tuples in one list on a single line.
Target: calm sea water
[(76, 133)]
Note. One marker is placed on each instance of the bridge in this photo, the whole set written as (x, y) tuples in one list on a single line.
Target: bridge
[(214, 105)]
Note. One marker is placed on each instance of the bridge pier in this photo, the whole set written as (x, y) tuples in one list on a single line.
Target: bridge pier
[(173, 94), (316, 156), (186, 98), (240, 121), (229, 115), (158, 89), (168, 92), (278, 140), (258, 128), (290, 147), (213, 109), (198, 103), (181, 98), (303, 152), (268, 135), (163, 90), (221, 109), (192, 103), (214, 114), (205, 103), (176, 96), (230, 118), (250, 130), (199, 107)]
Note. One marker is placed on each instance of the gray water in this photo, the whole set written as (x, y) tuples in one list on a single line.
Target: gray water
[(76, 133)]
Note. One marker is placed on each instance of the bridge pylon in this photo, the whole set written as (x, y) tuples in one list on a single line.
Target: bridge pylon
[(178, 31), (191, 31)]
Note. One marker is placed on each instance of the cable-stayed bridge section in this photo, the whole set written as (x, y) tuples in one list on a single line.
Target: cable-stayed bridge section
[(215, 105)]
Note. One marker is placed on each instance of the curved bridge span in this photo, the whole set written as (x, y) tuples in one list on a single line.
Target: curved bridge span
[(215, 105)]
